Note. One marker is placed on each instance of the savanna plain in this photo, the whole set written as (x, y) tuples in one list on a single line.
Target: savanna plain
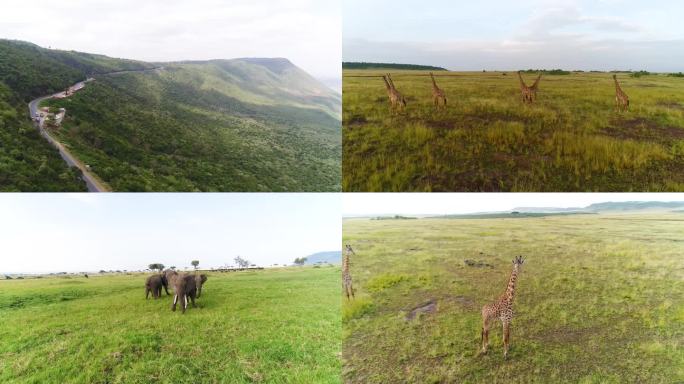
[(275, 326), (599, 299), (570, 138)]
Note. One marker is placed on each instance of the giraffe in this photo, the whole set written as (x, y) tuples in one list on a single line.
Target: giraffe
[(346, 276), (502, 310), (621, 99), (438, 95), (525, 90), (535, 87), (397, 101)]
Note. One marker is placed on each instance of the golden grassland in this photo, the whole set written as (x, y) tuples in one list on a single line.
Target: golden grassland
[(570, 139)]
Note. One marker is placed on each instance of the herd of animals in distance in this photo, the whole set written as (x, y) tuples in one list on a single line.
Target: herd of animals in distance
[(528, 94)]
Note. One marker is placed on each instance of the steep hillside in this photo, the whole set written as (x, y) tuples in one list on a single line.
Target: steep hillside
[(219, 125), (27, 161)]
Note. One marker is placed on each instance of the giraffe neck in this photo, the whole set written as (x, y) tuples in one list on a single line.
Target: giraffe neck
[(522, 83), (387, 85), (536, 81), (617, 85), (434, 84), (510, 289), (345, 263)]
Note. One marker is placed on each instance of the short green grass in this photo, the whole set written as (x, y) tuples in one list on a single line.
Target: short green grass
[(570, 139), (600, 300), (272, 326)]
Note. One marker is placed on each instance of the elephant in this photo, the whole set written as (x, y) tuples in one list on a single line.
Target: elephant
[(184, 286), (154, 284), (199, 282), (169, 276)]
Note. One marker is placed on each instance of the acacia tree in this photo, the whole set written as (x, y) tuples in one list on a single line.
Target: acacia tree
[(242, 263), (195, 263), (300, 261), (158, 266)]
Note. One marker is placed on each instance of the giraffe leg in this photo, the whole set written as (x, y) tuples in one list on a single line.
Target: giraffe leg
[(351, 289), (485, 336), (506, 337)]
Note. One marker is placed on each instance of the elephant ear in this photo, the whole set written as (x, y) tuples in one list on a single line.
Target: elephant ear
[(203, 278)]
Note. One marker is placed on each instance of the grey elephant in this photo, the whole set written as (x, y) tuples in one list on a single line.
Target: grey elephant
[(199, 282), (185, 287), (154, 284), (169, 276)]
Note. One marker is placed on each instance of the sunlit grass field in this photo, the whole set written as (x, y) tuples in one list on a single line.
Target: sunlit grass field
[(600, 299), (272, 326), (570, 139)]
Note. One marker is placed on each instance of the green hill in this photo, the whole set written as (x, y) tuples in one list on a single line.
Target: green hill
[(219, 125), (27, 161)]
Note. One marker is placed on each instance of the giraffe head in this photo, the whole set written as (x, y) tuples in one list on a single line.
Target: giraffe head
[(518, 262), (614, 76), (350, 250)]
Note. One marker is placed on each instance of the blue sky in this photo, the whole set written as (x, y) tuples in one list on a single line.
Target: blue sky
[(476, 35), (89, 232)]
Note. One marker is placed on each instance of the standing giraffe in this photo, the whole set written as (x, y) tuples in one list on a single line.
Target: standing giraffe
[(535, 87), (621, 99), (438, 95), (346, 276), (502, 310), (397, 101), (525, 90)]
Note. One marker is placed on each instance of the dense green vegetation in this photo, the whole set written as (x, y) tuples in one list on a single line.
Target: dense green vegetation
[(186, 128), (27, 161), (270, 326), (600, 300), (570, 139), (222, 125), (354, 65)]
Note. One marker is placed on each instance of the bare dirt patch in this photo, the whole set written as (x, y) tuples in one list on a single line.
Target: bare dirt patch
[(428, 307), (641, 129), (477, 263)]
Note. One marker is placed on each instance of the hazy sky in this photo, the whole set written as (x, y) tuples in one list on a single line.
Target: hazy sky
[(89, 232), (354, 204), (504, 34), (308, 32)]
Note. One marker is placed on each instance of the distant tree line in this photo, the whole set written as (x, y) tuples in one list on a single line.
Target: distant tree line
[(364, 65)]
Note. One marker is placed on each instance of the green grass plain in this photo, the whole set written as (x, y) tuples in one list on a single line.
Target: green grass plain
[(272, 326), (600, 299), (570, 139)]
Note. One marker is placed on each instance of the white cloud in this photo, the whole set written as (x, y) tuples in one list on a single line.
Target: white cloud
[(308, 32)]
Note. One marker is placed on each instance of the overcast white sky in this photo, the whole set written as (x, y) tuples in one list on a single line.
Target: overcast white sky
[(89, 232), (361, 204), (505, 34), (308, 32)]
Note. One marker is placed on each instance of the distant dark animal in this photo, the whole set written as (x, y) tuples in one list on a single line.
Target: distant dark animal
[(199, 282), (86, 275), (154, 284), (185, 287)]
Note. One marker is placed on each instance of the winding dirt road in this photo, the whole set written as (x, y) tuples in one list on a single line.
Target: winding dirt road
[(93, 183)]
